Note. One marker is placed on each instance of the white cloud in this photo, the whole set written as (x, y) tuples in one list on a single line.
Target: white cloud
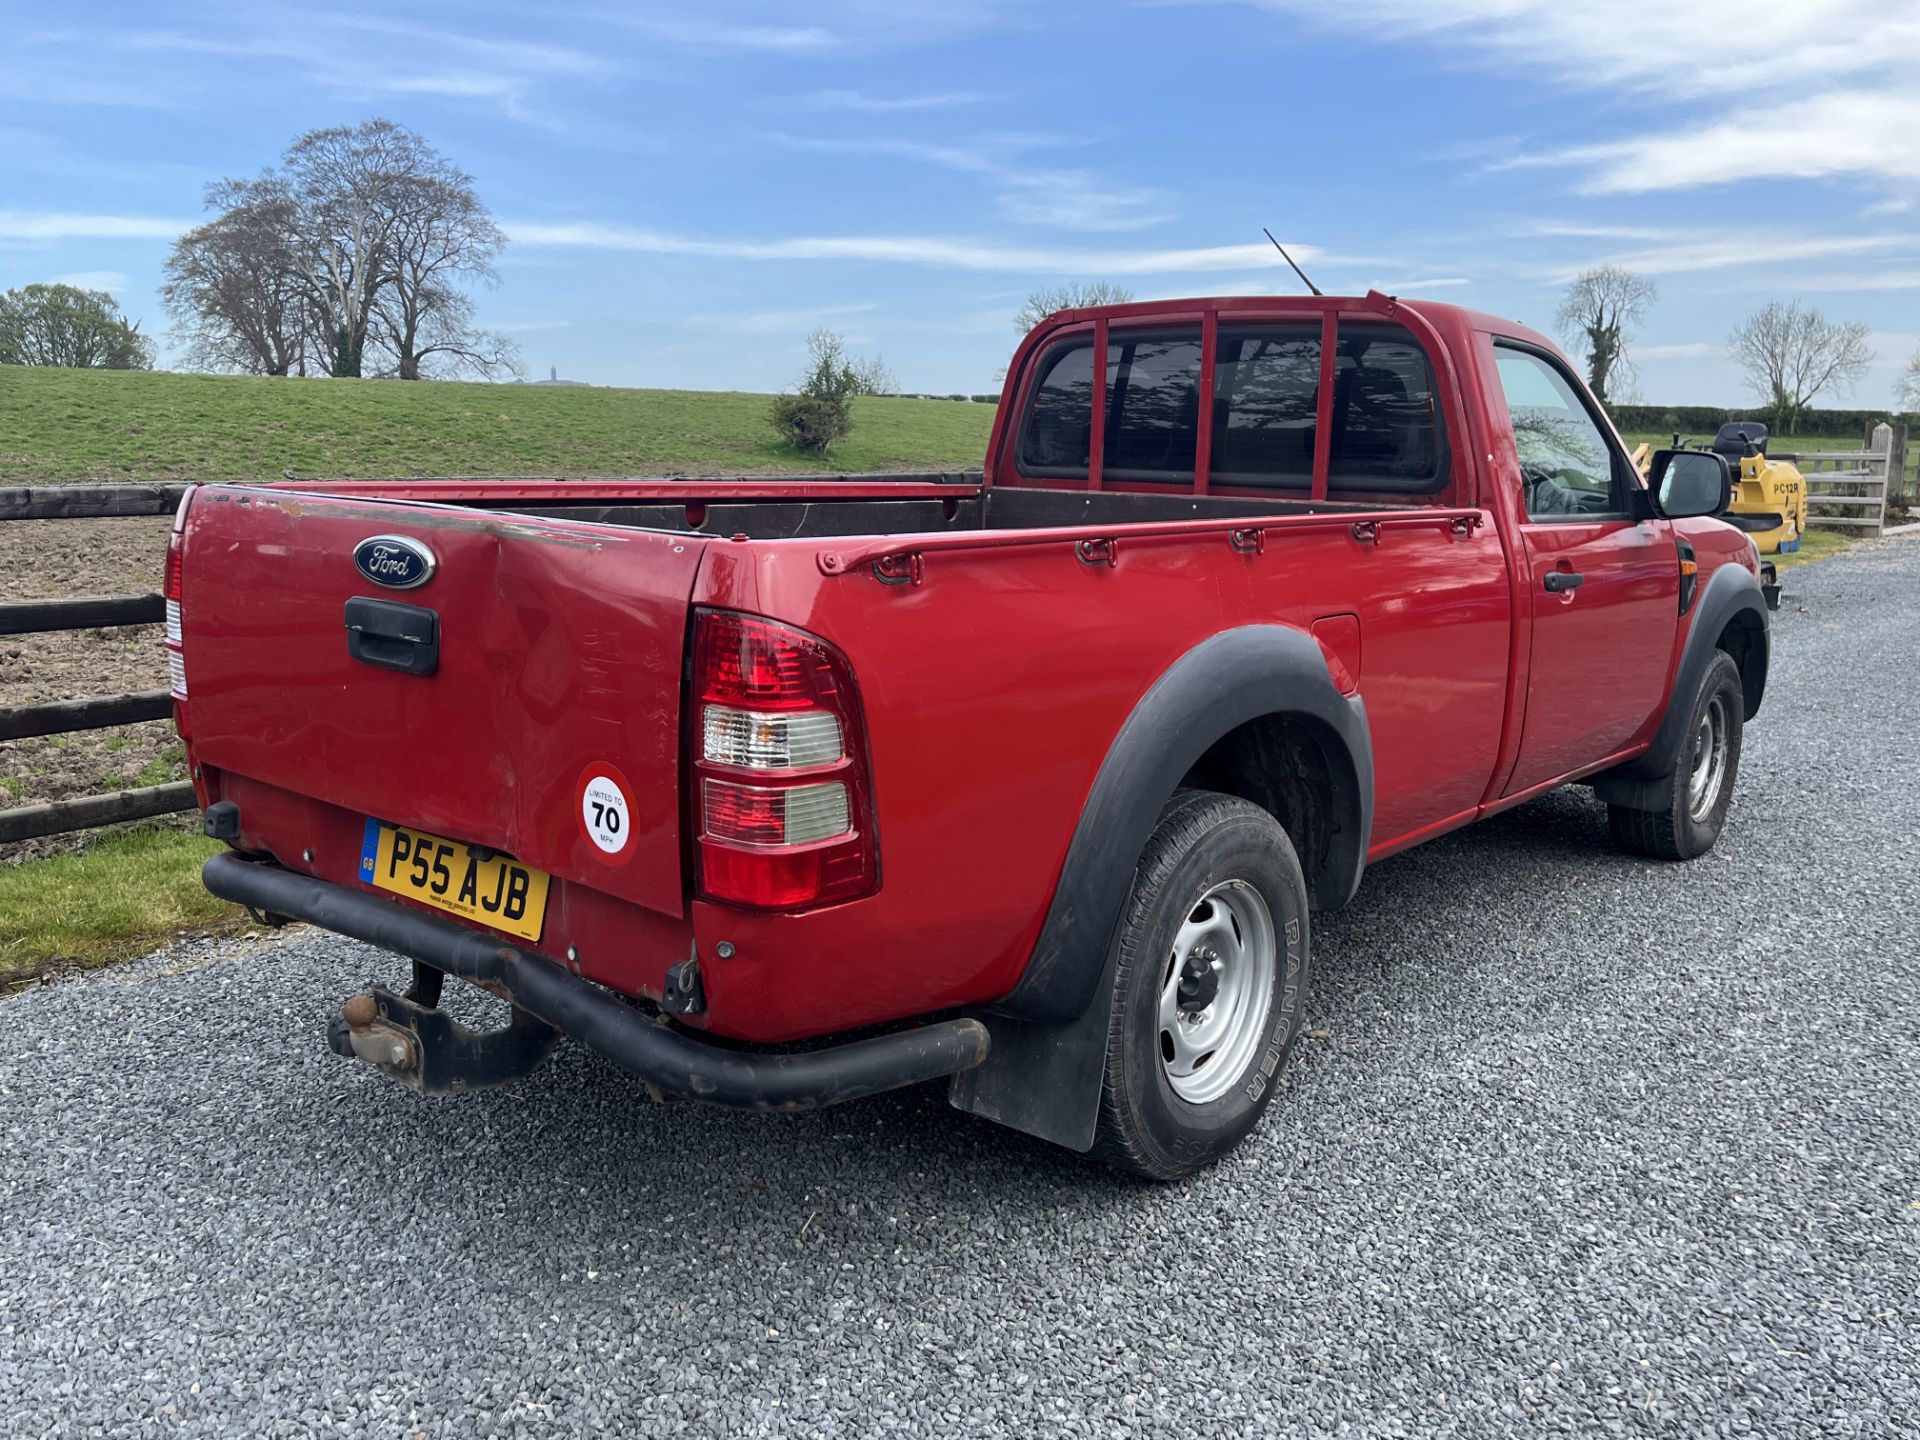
[(1692, 47), (1819, 137), (698, 34), (1062, 198), (112, 281), (936, 251), (1808, 89), (974, 159), (1079, 200), (776, 322), (529, 327), (361, 56), (454, 84), (887, 104), (1734, 246), (56, 225), (1583, 230)]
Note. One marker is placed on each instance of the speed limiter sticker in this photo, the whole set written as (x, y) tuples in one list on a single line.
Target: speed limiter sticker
[(607, 811)]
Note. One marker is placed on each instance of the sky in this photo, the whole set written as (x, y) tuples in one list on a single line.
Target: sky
[(690, 188)]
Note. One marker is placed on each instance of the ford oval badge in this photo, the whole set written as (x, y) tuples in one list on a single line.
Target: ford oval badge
[(394, 561)]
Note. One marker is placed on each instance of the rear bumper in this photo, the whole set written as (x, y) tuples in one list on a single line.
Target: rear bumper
[(668, 1059)]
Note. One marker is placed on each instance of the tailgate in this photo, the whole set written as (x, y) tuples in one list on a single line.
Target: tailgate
[(560, 649)]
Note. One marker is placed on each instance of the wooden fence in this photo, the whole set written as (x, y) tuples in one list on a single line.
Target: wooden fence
[(86, 612), (1903, 462), (1848, 489)]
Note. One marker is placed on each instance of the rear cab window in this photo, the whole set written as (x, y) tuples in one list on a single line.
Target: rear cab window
[(1151, 416), (1387, 437)]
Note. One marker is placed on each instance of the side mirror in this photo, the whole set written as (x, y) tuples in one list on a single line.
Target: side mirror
[(1686, 483)]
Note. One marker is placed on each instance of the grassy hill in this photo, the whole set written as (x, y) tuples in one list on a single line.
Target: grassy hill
[(93, 425), (75, 425)]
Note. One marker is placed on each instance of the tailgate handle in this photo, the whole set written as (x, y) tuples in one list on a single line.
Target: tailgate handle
[(393, 636)]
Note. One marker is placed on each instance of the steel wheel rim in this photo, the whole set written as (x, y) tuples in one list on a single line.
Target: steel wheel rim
[(1223, 953), (1709, 759)]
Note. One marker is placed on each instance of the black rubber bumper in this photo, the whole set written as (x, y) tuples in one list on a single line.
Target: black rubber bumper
[(668, 1059)]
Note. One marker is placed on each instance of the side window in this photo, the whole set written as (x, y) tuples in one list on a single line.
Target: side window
[(1266, 402), (1059, 426), (1153, 406), (1566, 467), (1385, 432)]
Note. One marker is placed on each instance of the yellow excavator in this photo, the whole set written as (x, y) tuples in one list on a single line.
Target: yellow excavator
[(1769, 496)]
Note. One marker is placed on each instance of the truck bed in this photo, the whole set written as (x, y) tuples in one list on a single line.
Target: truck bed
[(866, 505)]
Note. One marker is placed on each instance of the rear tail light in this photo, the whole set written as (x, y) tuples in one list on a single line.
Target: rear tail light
[(176, 652), (172, 590), (782, 798)]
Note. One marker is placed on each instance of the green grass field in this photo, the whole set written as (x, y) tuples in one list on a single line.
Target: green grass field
[(131, 892), (74, 425)]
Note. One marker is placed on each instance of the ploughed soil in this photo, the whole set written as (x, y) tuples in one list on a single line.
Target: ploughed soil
[(60, 559)]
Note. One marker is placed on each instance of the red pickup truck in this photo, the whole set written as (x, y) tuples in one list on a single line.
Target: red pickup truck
[(783, 792)]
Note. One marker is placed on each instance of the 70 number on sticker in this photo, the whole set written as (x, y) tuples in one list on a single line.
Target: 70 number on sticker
[(605, 814)]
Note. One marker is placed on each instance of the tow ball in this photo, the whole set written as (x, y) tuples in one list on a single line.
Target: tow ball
[(410, 1039)]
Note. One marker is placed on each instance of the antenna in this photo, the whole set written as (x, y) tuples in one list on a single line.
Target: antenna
[(1289, 259)]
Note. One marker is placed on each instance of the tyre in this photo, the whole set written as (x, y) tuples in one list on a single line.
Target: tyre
[(1701, 787), (1210, 977)]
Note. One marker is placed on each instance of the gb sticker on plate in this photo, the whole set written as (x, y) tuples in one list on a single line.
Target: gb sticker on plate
[(606, 811)]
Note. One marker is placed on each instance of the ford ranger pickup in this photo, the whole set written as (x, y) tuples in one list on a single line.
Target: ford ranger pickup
[(782, 792)]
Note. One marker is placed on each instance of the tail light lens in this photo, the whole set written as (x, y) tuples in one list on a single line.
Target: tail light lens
[(176, 651), (782, 797), (171, 592)]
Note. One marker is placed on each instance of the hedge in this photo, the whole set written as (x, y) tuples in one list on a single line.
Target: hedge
[(1703, 420)]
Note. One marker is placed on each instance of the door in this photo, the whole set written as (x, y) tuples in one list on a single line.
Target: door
[(1605, 589)]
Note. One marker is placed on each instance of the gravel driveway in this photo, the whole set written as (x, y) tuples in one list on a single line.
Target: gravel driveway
[(1582, 1144)]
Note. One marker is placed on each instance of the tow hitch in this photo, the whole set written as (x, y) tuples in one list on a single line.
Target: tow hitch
[(409, 1038)]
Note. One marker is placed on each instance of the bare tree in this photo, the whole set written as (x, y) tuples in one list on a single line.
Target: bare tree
[(1598, 312), (1909, 384), (1789, 355), (442, 341), (233, 286), (351, 183), (441, 234), (874, 377), (1075, 295), (354, 251), (64, 326)]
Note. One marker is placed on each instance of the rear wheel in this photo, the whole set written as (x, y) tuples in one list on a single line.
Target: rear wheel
[(1701, 788), (1209, 980)]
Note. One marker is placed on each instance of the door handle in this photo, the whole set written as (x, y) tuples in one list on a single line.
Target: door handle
[(1559, 581)]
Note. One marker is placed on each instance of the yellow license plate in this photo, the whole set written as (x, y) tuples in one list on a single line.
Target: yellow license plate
[(450, 876)]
